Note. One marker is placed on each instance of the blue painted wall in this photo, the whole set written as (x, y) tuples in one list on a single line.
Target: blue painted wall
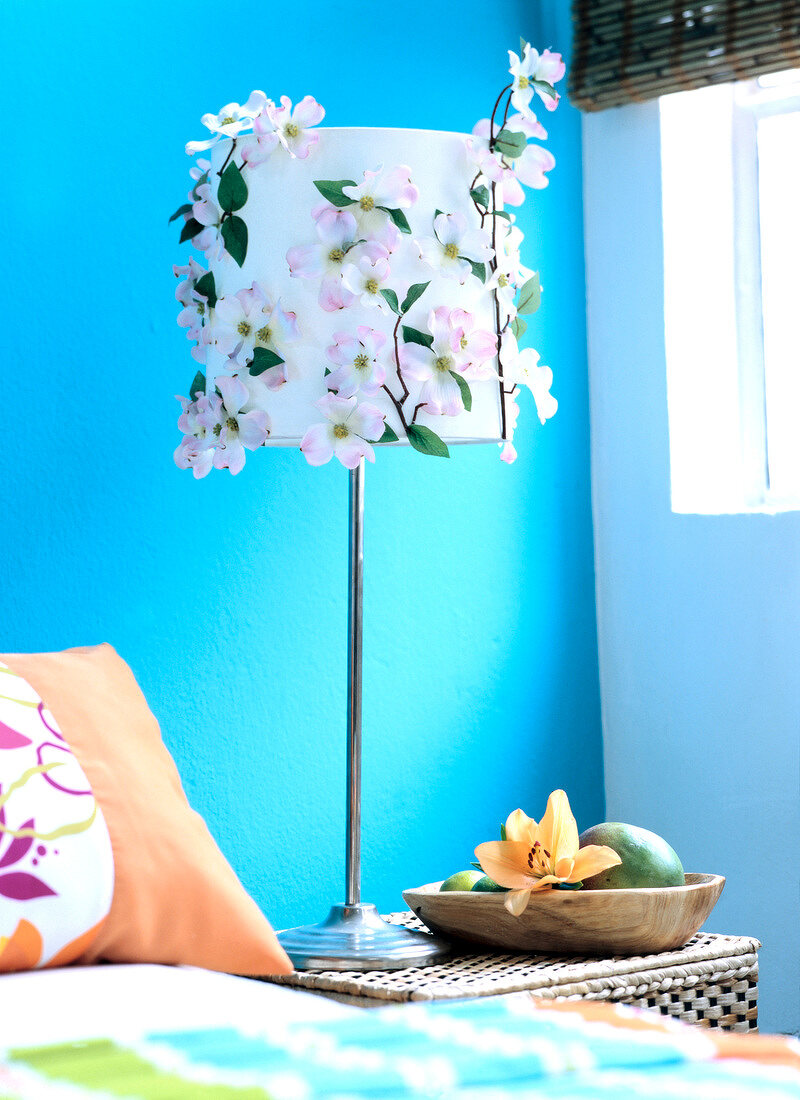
[(228, 596), (698, 615)]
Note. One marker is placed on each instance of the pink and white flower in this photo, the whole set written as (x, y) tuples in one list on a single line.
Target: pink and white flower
[(532, 67), (195, 313), (207, 213), (507, 172), (503, 284), (527, 124), (278, 333), (472, 347), (532, 163), (325, 260), (199, 351), (292, 126), (347, 432), (454, 246), (267, 140), (357, 362), (229, 122), (249, 320), (486, 160), (200, 169), (195, 450), (235, 430), (522, 368), (191, 273), (435, 366), (382, 191), (367, 274), (238, 319), (509, 257)]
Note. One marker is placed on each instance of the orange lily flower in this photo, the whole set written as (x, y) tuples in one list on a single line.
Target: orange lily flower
[(541, 856)]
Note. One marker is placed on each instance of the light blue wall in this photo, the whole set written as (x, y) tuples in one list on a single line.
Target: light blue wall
[(698, 616), (228, 596)]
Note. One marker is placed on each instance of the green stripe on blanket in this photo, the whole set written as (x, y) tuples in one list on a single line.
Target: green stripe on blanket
[(102, 1065)]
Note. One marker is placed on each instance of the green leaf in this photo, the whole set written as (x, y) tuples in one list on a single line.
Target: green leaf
[(187, 206), (191, 229), (519, 327), (569, 885), (500, 214), (263, 359), (207, 287), (477, 866), (414, 293), (398, 217), (232, 193), (478, 270), (530, 296), (544, 87), (522, 45), (480, 195), (414, 336), (198, 385), (390, 297), (466, 392), (503, 831), (510, 142), (389, 435), (332, 191), (426, 442), (234, 233)]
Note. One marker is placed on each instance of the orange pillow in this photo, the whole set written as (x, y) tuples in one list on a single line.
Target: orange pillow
[(176, 898)]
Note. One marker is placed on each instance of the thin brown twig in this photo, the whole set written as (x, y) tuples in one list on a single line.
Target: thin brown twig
[(397, 360), (507, 88), (230, 154), (398, 406)]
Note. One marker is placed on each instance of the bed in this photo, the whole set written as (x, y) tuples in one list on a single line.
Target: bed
[(105, 867), (149, 1031)]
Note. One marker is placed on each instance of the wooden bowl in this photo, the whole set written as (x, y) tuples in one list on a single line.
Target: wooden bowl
[(573, 922)]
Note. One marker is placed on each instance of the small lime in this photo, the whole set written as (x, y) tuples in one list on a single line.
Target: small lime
[(462, 880), (487, 885), (647, 859)]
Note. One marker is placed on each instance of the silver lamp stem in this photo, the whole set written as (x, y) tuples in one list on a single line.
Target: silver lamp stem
[(354, 936), (355, 619)]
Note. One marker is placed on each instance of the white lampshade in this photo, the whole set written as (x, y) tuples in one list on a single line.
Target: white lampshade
[(278, 214)]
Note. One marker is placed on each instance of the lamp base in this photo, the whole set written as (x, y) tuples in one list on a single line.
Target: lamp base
[(355, 937)]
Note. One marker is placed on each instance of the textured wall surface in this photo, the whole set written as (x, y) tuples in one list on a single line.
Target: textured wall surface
[(228, 596), (698, 615)]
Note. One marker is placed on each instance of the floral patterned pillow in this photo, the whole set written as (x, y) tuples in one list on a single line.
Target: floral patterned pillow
[(56, 863)]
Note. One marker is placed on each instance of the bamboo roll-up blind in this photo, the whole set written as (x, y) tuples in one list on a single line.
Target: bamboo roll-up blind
[(626, 50)]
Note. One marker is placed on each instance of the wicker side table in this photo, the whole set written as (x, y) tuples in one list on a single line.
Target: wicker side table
[(712, 981)]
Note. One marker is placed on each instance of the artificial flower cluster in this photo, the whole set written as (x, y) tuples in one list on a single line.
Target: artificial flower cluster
[(355, 233), (533, 856)]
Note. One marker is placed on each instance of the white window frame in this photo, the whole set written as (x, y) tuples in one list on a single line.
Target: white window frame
[(719, 445)]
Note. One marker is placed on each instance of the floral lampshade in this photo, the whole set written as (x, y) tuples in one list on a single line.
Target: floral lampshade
[(361, 287)]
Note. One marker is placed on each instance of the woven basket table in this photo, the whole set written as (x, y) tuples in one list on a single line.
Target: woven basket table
[(712, 980)]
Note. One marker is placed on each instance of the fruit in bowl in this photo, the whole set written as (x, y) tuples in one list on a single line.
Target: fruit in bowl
[(462, 880), (615, 890), (647, 860)]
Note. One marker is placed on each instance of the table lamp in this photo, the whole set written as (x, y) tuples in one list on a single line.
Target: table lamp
[(362, 288)]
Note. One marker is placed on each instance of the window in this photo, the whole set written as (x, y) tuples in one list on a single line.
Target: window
[(730, 181)]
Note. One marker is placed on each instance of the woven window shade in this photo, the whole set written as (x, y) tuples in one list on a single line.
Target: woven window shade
[(633, 50)]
